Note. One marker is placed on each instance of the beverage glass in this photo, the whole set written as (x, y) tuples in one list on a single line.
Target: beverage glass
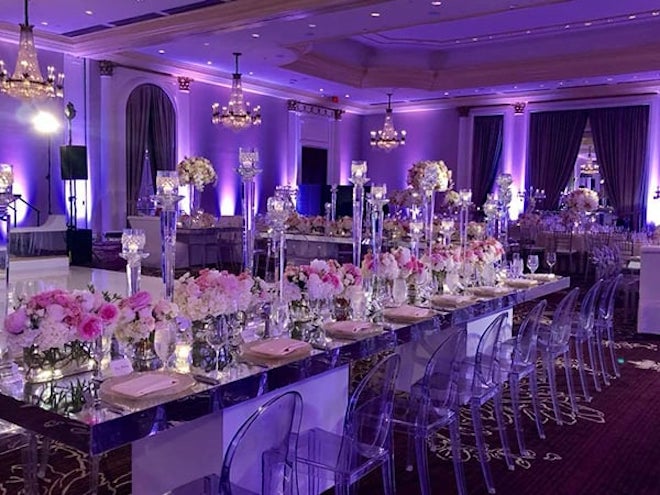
[(550, 259), (533, 262)]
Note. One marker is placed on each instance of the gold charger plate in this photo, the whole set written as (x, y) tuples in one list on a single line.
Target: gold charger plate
[(182, 383)]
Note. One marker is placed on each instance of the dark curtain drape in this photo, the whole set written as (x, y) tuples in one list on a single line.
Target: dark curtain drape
[(620, 137), (554, 143), (486, 154), (150, 123)]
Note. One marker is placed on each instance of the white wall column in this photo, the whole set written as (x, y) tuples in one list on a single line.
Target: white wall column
[(294, 149), (462, 179), (110, 197)]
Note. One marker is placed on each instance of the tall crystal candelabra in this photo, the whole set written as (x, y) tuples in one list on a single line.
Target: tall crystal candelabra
[(504, 182), (416, 230), (132, 250), (278, 213), (433, 179), (333, 202), (359, 179), (248, 170), (465, 199), (491, 209), (167, 197), (446, 229), (377, 199), (8, 371)]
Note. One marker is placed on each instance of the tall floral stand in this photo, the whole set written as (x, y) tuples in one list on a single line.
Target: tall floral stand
[(377, 199), (248, 170), (359, 179)]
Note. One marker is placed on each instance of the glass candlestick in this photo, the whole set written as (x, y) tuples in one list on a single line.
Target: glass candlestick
[(132, 250), (465, 196), (377, 199), (446, 229), (167, 197), (491, 210), (248, 170), (8, 370), (278, 214), (333, 202), (359, 179), (504, 182)]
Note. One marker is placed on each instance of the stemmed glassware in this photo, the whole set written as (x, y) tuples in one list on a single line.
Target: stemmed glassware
[(165, 344), (533, 262), (216, 337), (516, 266), (550, 259)]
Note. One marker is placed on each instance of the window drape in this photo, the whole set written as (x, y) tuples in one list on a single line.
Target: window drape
[(486, 154)]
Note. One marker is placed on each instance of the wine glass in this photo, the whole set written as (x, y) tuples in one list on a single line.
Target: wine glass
[(550, 259), (217, 339), (533, 263), (399, 291), (165, 344), (517, 267)]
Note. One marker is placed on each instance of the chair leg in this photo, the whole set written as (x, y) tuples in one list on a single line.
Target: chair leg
[(94, 461), (569, 381), (499, 415), (592, 362), (423, 463), (601, 355), (536, 404), (481, 446), (44, 457), (31, 465), (610, 344), (388, 475), (455, 436), (579, 353), (517, 421), (552, 382)]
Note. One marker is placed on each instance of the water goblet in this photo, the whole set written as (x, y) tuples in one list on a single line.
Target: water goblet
[(517, 267), (399, 291), (533, 262), (165, 344), (217, 340), (359, 305), (550, 259)]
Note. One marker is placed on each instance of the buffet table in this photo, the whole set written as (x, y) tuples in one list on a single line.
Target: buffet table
[(180, 437)]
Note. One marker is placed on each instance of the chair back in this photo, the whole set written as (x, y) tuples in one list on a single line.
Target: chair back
[(487, 368), (441, 377), (608, 297), (588, 308), (261, 456), (524, 352), (368, 421), (562, 320)]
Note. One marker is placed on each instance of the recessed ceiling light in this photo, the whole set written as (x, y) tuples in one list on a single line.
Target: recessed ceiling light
[(655, 13), (631, 17), (321, 90), (250, 73), (588, 23), (347, 95), (311, 26), (436, 3), (208, 62), (446, 93), (567, 26), (475, 39), (255, 35), (89, 12), (375, 14), (528, 32), (207, 44), (609, 79), (44, 23), (161, 51)]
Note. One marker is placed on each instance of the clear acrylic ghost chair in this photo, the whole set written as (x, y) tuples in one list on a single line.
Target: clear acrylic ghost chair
[(520, 356), (261, 457), (553, 342), (604, 325), (486, 375), (432, 405), (365, 443), (583, 334)]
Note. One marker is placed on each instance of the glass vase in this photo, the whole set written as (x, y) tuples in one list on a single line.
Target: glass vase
[(203, 356), (195, 201), (144, 355), (55, 363)]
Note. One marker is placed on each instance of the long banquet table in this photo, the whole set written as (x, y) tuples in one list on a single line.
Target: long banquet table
[(182, 437)]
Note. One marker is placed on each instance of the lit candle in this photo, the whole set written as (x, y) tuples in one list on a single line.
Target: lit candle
[(133, 240), (465, 195), (6, 178), (275, 204), (358, 168), (167, 182), (379, 192)]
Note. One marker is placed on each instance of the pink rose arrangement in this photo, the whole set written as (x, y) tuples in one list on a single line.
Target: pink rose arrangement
[(141, 314), (409, 266), (213, 293), (429, 175), (388, 268), (54, 318), (582, 200), (443, 259)]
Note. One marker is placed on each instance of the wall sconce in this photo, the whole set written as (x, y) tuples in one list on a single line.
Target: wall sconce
[(519, 108), (184, 83)]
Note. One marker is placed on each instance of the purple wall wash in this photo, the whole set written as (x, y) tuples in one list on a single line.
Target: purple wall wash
[(350, 128), (432, 135), (221, 146), (25, 149)]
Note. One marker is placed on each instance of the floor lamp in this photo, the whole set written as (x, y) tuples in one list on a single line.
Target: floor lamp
[(46, 123)]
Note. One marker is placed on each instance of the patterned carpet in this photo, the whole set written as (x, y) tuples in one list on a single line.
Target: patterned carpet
[(610, 447)]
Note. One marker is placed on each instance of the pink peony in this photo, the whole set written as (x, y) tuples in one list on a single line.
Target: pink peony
[(90, 327), (108, 312), (16, 322), (139, 300)]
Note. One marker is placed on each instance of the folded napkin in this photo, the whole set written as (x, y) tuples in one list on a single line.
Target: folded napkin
[(407, 313), (144, 384), (278, 348), (490, 291), (349, 329), (521, 283), (541, 277), (451, 300)]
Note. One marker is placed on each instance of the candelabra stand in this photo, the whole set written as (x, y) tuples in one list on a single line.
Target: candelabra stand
[(416, 232), (429, 209), (359, 179), (8, 370), (333, 202), (167, 197), (248, 170), (377, 199), (132, 250), (446, 229), (278, 214), (504, 182), (491, 210), (465, 197)]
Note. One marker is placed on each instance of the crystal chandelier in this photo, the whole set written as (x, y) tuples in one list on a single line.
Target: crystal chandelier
[(237, 115), (388, 137), (27, 82), (590, 167)]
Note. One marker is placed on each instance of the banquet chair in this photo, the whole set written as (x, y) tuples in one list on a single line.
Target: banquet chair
[(520, 357), (583, 333), (553, 342), (432, 405), (562, 244), (366, 440), (485, 380), (604, 325)]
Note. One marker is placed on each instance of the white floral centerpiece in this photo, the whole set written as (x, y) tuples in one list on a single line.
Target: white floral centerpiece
[(582, 200), (197, 171), (429, 175), (140, 315)]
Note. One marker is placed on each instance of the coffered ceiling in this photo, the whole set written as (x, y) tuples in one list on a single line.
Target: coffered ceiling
[(421, 50)]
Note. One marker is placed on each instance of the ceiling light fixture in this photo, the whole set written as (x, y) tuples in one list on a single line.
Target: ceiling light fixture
[(388, 137), (27, 82), (237, 115), (590, 167)]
